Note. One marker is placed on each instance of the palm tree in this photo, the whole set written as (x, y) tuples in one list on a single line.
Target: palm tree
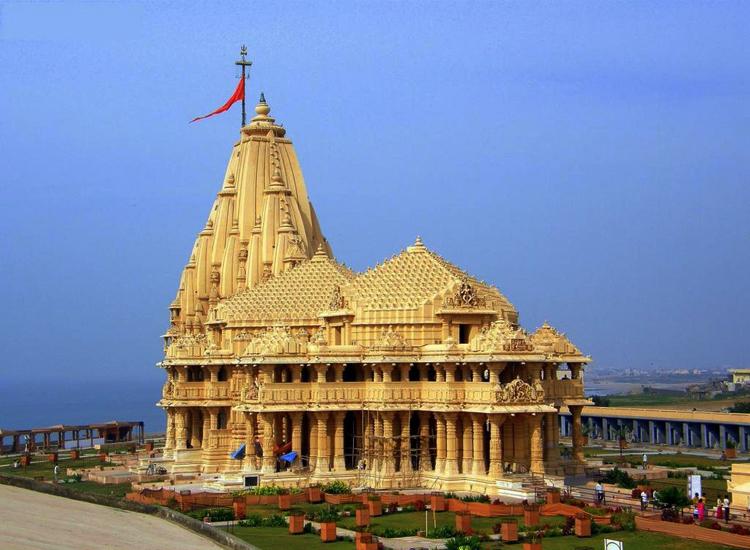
[(621, 433)]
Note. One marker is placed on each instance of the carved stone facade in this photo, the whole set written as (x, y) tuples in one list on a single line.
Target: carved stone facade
[(412, 373)]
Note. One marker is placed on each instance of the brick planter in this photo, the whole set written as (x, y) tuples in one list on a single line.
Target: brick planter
[(52, 457), (285, 501), (437, 503), (364, 542), (297, 524), (102, 457), (532, 545), (463, 521), (240, 509), (26, 460), (531, 515), (509, 532), (583, 526), (375, 507), (75, 454), (363, 516), (328, 531), (314, 494), (553, 496), (149, 447), (731, 453)]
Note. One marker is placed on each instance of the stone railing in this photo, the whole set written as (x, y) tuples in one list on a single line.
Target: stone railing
[(201, 390)]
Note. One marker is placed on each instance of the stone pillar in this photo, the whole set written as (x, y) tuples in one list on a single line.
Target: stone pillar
[(206, 419), (377, 443), (440, 462), (423, 370), (450, 372), (296, 419), (404, 369), (405, 442), (313, 424), (476, 372), (467, 436), (439, 372), (269, 459), (369, 449), (495, 369), (537, 444), (339, 463), (479, 466), (249, 462), (496, 445), (451, 454), (296, 374), (377, 373), (321, 371), (389, 466), (339, 373), (575, 411), (322, 464), (195, 428), (170, 442), (425, 463), (387, 370), (181, 429)]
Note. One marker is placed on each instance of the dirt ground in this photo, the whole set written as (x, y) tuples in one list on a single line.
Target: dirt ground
[(30, 520)]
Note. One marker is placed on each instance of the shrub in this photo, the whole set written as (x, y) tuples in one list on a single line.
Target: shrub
[(392, 508), (253, 520), (620, 478), (263, 490), (409, 508), (497, 528), (419, 505), (392, 533), (274, 520), (636, 493), (463, 543), (216, 514), (711, 524), (444, 532), (337, 488), (739, 530), (569, 527), (688, 520)]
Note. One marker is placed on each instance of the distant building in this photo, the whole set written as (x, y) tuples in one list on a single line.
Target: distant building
[(740, 376)]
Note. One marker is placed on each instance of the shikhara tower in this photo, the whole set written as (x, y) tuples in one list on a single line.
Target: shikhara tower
[(411, 374)]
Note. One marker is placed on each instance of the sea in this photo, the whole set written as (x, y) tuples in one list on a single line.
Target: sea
[(46, 403)]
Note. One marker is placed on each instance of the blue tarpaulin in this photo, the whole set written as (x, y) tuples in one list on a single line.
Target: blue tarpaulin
[(289, 456), (239, 454)]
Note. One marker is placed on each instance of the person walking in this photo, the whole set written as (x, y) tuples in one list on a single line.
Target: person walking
[(644, 501), (56, 471), (701, 510), (599, 492), (645, 460), (726, 508), (719, 508)]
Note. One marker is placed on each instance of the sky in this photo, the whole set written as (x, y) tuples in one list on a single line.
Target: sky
[(588, 158)]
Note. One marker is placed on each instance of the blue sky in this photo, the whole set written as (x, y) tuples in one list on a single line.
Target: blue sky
[(588, 158)]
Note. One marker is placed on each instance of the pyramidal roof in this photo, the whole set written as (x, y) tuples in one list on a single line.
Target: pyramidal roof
[(261, 223)]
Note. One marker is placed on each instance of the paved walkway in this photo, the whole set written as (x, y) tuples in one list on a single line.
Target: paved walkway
[(31, 520)]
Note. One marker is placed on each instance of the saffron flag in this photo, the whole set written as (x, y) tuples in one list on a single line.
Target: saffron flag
[(238, 95)]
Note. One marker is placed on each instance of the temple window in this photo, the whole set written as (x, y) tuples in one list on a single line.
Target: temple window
[(222, 376), (305, 374), (221, 420), (350, 373), (463, 333)]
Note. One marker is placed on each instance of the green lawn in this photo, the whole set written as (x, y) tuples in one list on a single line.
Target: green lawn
[(410, 520), (637, 540), (274, 538), (115, 489), (672, 461), (46, 469)]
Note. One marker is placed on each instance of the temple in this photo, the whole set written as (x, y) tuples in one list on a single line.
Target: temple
[(411, 374)]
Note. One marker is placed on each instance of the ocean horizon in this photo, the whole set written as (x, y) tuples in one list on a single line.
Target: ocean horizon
[(46, 403)]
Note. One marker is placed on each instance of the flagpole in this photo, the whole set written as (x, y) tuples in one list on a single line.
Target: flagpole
[(243, 63)]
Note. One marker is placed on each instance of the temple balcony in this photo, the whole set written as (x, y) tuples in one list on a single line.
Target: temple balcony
[(198, 391)]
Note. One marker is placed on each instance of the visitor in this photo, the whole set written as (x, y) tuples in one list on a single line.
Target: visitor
[(361, 465), (644, 501), (16, 464), (701, 510), (719, 508), (599, 492), (645, 460), (696, 497), (726, 508), (655, 496), (56, 471)]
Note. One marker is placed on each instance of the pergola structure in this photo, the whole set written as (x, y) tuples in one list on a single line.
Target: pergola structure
[(63, 436), (413, 373)]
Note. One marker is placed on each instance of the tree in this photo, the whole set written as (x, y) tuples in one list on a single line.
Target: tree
[(600, 400), (621, 433), (671, 501), (742, 407)]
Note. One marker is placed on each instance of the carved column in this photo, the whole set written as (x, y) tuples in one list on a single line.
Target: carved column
[(476, 372), (269, 459), (181, 430), (450, 372), (377, 373), (339, 462), (496, 445), (368, 441), (170, 443), (468, 440), (339, 373), (425, 464), (466, 373), (575, 411), (296, 374), (451, 455), (377, 444), (440, 461), (250, 441), (389, 467), (404, 371), (206, 428), (537, 444), (387, 370), (405, 443), (313, 423), (322, 464), (509, 453), (495, 369), (439, 372), (479, 468), (296, 418), (423, 370), (321, 370)]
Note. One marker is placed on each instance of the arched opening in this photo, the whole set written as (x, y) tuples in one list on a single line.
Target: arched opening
[(432, 442), (458, 375), (305, 374), (350, 373), (431, 374), (222, 375), (221, 420), (486, 436), (331, 375), (414, 441), (414, 373)]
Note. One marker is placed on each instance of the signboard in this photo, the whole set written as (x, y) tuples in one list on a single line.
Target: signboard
[(694, 486), (613, 544)]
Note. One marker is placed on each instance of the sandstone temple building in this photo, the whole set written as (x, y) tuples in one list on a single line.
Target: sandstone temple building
[(411, 374)]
